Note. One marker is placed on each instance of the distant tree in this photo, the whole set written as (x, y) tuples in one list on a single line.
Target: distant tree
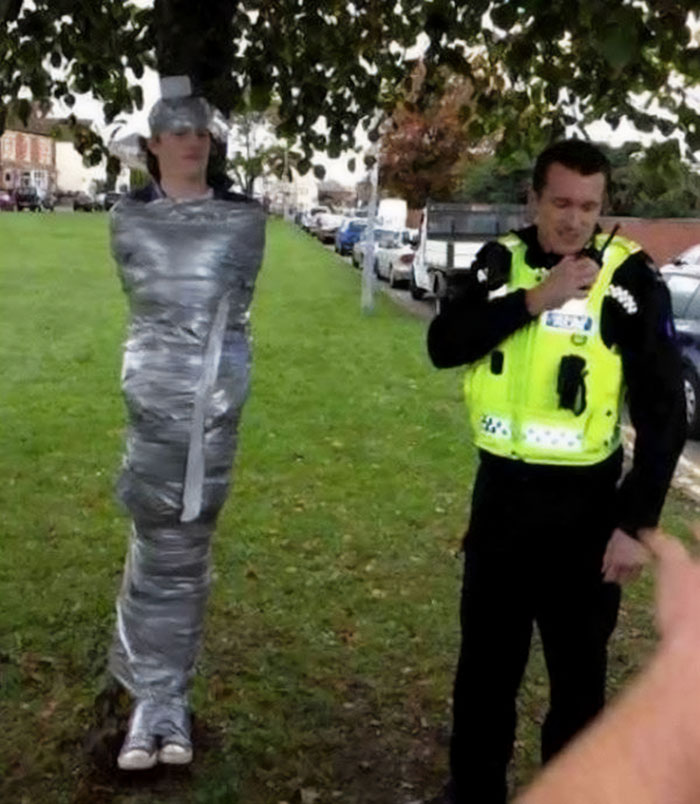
[(651, 181), (497, 179), (251, 131), (654, 182), (424, 148), (257, 152)]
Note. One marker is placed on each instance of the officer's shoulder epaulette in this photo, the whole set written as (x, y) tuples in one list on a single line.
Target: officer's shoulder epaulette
[(491, 265), (511, 241), (619, 242)]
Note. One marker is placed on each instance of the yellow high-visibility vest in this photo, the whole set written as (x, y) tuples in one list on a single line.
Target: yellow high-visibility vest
[(515, 393)]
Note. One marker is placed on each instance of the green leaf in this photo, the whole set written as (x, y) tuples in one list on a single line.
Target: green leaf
[(620, 43), (475, 130), (506, 15), (319, 172)]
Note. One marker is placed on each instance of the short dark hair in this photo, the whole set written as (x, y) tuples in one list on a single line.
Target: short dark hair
[(577, 155)]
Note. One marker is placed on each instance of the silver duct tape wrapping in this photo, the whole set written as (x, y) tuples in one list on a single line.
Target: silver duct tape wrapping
[(180, 114), (188, 270)]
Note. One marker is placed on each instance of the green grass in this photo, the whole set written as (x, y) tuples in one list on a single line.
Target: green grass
[(332, 629)]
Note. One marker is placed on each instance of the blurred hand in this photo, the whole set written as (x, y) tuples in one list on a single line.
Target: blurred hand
[(624, 558), (570, 278), (677, 588)]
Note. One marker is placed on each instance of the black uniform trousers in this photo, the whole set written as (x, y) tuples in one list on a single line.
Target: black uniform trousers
[(533, 554)]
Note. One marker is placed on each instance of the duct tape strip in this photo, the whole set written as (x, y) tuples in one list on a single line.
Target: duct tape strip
[(194, 473)]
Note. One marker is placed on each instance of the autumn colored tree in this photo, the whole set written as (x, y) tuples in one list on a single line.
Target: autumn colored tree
[(423, 150)]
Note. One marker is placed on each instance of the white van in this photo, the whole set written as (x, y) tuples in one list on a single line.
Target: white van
[(451, 235), (391, 213)]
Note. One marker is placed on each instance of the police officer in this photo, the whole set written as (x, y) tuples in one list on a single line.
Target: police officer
[(554, 322)]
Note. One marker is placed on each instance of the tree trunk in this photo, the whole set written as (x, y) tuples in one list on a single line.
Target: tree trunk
[(196, 39), (113, 170)]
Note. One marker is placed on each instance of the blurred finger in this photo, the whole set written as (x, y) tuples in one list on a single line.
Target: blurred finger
[(632, 574), (611, 575), (625, 575), (695, 530), (666, 548)]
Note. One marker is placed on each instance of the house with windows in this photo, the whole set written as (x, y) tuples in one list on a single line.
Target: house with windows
[(28, 154)]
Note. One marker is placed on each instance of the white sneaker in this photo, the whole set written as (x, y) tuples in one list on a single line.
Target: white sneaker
[(139, 749), (137, 754), (172, 753)]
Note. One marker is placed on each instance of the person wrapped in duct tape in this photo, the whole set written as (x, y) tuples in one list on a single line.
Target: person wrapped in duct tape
[(187, 254)]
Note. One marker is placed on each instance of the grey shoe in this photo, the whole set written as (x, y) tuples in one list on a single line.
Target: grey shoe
[(175, 753), (139, 749), (172, 725)]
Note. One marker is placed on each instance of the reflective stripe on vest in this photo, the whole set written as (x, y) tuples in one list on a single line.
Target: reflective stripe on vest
[(513, 393)]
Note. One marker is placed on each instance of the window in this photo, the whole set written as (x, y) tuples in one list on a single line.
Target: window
[(693, 311), (689, 257), (682, 288)]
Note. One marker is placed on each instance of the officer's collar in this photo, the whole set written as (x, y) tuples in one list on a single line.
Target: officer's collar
[(536, 256)]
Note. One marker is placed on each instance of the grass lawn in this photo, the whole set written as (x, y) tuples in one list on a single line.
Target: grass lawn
[(332, 632)]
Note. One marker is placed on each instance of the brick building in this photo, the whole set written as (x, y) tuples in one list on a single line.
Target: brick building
[(28, 154)]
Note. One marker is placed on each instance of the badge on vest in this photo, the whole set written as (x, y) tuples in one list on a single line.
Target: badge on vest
[(579, 323)]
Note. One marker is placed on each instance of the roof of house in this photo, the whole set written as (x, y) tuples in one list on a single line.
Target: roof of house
[(39, 122)]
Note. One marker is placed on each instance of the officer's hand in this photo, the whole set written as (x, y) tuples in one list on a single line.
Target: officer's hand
[(570, 278), (624, 558)]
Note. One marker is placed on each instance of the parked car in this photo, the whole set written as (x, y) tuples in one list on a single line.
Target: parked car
[(309, 219), (7, 201), (48, 202), (349, 232), (358, 250), (357, 255), (688, 258), (684, 284), (326, 225), (27, 198), (393, 256), (110, 199), (84, 203)]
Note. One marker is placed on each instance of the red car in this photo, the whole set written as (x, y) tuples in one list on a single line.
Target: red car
[(7, 202)]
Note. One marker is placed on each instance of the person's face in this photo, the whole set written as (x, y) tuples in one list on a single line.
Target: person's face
[(567, 209), (181, 154)]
